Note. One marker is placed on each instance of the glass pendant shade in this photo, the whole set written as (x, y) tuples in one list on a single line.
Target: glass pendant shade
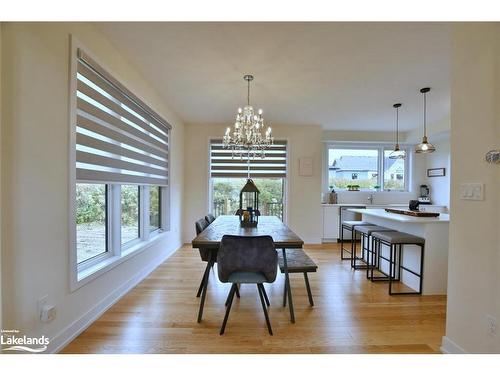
[(425, 147), (397, 153)]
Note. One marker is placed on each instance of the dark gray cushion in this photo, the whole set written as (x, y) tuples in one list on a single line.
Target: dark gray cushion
[(254, 254), (369, 229), (351, 224), (200, 226), (246, 278), (398, 238), (210, 218)]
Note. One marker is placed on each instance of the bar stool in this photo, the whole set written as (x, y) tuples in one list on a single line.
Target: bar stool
[(365, 231), (396, 241), (349, 226)]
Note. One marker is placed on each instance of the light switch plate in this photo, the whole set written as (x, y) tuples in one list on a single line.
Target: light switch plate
[(472, 191)]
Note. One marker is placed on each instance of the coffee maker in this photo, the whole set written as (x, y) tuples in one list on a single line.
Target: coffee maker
[(424, 197)]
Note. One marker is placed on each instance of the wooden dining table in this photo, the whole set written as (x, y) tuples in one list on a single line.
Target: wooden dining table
[(283, 237)]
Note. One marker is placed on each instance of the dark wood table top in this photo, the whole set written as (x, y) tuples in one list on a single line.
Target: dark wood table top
[(282, 236)]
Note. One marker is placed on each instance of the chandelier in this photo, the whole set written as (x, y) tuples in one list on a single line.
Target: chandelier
[(248, 137)]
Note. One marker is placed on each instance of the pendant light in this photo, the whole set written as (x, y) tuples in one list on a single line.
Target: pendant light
[(397, 153), (425, 147)]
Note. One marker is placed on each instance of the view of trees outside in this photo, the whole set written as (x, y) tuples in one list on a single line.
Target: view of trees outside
[(90, 220), (130, 213), (352, 167), (154, 208), (226, 195)]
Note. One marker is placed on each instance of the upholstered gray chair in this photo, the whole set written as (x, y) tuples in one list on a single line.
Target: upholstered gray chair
[(210, 218), (200, 226), (205, 255), (247, 260)]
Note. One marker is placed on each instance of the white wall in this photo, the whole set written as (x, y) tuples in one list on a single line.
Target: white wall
[(35, 222), (1, 301), (474, 255), (439, 186), (304, 194)]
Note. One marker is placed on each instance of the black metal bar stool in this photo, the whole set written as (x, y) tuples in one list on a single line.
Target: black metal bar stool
[(365, 232), (396, 241), (349, 226)]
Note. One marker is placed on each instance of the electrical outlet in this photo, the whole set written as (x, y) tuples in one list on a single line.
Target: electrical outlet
[(492, 325), (42, 301)]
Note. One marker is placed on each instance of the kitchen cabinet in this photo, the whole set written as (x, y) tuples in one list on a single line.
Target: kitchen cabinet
[(330, 223)]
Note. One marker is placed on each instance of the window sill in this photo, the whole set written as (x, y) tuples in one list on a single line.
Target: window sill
[(90, 273)]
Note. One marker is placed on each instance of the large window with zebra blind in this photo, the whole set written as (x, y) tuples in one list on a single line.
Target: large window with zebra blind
[(229, 172), (119, 170)]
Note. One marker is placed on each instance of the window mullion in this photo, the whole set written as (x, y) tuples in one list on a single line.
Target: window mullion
[(145, 209), (114, 212), (381, 169)]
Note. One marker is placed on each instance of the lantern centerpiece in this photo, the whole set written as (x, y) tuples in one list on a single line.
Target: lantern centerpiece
[(249, 205)]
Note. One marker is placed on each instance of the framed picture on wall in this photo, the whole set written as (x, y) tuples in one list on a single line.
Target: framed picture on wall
[(436, 172)]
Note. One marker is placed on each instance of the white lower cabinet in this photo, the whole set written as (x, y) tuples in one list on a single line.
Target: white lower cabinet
[(330, 223)]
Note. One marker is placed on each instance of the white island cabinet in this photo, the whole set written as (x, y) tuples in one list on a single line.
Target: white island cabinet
[(435, 232), (330, 223)]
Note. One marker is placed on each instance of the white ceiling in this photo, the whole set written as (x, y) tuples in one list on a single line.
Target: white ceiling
[(343, 76)]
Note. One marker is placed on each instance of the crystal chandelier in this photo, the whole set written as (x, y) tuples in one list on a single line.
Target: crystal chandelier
[(247, 137)]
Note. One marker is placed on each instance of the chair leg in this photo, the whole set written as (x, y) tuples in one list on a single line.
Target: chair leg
[(264, 294), (228, 309), (308, 287), (237, 295), (205, 276), (284, 295), (259, 288), (204, 292), (237, 291)]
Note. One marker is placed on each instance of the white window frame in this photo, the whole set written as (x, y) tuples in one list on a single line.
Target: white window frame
[(380, 163), (285, 187), (86, 271)]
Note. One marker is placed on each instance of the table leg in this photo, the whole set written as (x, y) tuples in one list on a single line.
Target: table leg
[(205, 286), (288, 287)]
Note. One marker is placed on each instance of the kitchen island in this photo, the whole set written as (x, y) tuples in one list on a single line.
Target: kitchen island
[(435, 232)]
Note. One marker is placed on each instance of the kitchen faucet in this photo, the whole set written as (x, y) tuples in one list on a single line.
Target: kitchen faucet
[(370, 198)]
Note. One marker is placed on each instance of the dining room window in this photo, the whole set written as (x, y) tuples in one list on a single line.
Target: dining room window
[(229, 173), (154, 208), (120, 172), (91, 221), (130, 218)]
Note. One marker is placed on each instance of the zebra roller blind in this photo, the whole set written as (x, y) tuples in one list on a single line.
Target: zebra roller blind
[(119, 139), (223, 165)]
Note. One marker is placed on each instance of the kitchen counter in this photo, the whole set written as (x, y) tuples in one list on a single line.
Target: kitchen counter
[(435, 232), (381, 213)]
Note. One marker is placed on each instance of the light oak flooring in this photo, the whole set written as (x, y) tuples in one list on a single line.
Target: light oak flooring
[(351, 314)]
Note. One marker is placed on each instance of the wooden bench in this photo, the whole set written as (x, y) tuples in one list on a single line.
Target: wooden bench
[(298, 262)]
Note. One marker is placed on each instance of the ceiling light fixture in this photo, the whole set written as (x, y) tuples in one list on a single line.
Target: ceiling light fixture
[(397, 153), (425, 147), (247, 137)]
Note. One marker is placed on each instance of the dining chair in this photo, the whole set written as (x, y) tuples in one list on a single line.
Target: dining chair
[(210, 218), (207, 255), (247, 260)]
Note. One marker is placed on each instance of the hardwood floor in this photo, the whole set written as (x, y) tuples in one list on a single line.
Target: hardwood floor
[(351, 314)]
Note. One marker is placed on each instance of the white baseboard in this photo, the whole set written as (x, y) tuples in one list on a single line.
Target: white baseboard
[(68, 334), (449, 347)]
